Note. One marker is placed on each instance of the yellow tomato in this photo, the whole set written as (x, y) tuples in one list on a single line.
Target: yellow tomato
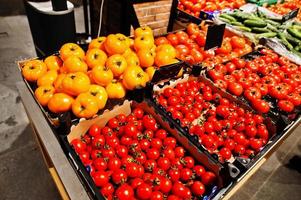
[(100, 93), (53, 62), (48, 78), (134, 77), (85, 106), (71, 49), (102, 75), (132, 59), (143, 31), (146, 57), (117, 64), (96, 57), (115, 90), (75, 64), (44, 94), (169, 49), (97, 43), (33, 70), (116, 44), (143, 42), (60, 102), (76, 83)]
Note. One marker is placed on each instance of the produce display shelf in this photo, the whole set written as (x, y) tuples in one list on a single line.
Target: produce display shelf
[(64, 176)]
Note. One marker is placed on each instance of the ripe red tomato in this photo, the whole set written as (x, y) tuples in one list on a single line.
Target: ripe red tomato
[(197, 188), (156, 195), (225, 153), (173, 39), (255, 144), (165, 185), (252, 93), (261, 105), (100, 178), (192, 29), (239, 63), (119, 176), (107, 190), (144, 191), (125, 192), (79, 146), (286, 106), (295, 98), (208, 178), (94, 130), (235, 88), (114, 164)]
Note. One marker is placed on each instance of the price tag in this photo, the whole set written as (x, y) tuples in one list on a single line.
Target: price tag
[(214, 36), (167, 72), (290, 15)]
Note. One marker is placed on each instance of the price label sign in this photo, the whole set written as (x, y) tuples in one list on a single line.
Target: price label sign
[(215, 34)]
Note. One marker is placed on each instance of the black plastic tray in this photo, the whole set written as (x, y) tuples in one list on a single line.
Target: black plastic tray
[(147, 106), (236, 168)]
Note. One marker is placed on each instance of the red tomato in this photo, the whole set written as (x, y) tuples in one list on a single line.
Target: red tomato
[(286, 106), (235, 88), (173, 39), (79, 146), (198, 188), (100, 178), (94, 130), (261, 105), (125, 192)]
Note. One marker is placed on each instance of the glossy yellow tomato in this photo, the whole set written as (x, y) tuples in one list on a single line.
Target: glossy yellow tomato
[(48, 78), (116, 44), (132, 59), (169, 49), (75, 64), (58, 83), (100, 93), (85, 106), (143, 42), (97, 43), (71, 49), (117, 64), (146, 57), (96, 57), (33, 70), (162, 58), (134, 77), (102, 75), (60, 102), (143, 31), (53, 62), (76, 83), (44, 94), (115, 90)]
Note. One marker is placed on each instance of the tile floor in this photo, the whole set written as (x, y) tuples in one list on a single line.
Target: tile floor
[(23, 174)]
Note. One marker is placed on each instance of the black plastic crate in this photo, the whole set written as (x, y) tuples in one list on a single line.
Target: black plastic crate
[(148, 107), (236, 168)]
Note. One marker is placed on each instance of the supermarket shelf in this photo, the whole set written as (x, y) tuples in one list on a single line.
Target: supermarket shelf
[(60, 169)]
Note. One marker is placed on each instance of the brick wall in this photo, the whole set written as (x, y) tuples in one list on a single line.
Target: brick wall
[(154, 14)]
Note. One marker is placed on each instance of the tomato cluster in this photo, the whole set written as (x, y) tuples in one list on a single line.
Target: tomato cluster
[(286, 7), (189, 46), (222, 127), (133, 158), (266, 75), (194, 7), (83, 81)]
